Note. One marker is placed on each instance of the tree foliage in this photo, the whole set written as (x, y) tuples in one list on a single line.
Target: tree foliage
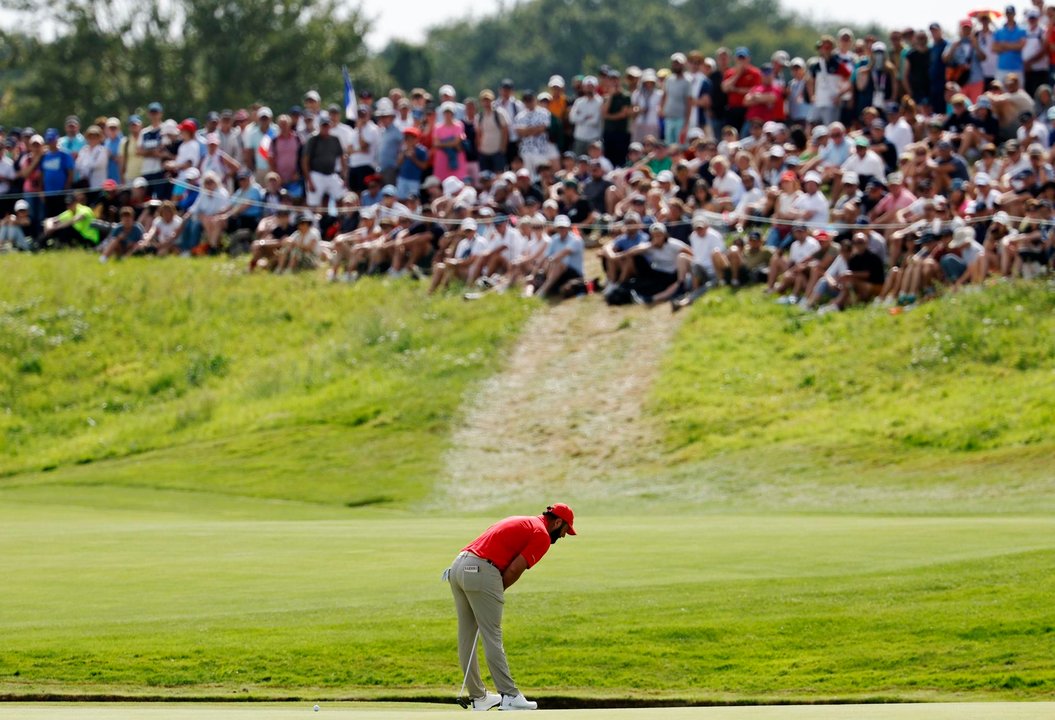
[(109, 57), (529, 41)]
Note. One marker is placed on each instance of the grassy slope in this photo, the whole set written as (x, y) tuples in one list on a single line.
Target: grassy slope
[(197, 541), (195, 376), (945, 409)]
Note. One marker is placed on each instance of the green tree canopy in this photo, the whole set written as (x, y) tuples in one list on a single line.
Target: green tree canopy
[(109, 57), (529, 41)]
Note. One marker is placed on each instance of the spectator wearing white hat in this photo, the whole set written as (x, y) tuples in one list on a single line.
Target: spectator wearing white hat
[(459, 255), (646, 101), (677, 100), (585, 115), (563, 261), (256, 144), (13, 228), (799, 105), (448, 95), (532, 127)]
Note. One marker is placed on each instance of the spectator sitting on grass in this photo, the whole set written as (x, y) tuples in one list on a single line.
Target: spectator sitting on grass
[(826, 288), (456, 259), (13, 228), (300, 250), (563, 261), (532, 250), (965, 261), (125, 236), (749, 265), (657, 278), (74, 226), (270, 234), (163, 236), (789, 269), (863, 279), (619, 268), (204, 220)]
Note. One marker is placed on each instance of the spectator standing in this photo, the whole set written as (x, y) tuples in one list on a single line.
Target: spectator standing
[(390, 142), (936, 65), (112, 142), (56, 168), (964, 58), (1008, 42), (532, 127), (129, 161), (585, 115), (362, 152), (677, 100), (151, 151), (765, 101), (736, 83), (320, 162), (257, 144), (985, 39), (492, 134), (73, 141), (719, 98), (646, 102), (616, 111), (92, 161), (826, 82), (284, 157), (1035, 64), (413, 159), (512, 107), (448, 157)]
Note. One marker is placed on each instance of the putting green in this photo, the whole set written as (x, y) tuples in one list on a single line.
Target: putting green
[(351, 711)]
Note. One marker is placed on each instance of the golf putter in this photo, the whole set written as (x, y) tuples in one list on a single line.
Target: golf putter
[(466, 702)]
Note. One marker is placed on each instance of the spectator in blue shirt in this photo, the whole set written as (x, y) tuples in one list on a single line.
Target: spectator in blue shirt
[(56, 169), (413, 158), (937, 68), (1008, 42)]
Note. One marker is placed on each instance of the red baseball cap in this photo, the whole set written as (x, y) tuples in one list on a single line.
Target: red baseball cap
[(189, 125), (109, 184), (564, 513), (412, 131)]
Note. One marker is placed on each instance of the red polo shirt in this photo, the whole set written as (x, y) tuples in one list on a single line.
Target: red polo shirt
[(750, 77), (518, 535)]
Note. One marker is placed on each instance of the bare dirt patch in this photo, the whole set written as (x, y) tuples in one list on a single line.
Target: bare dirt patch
[(566, 411)]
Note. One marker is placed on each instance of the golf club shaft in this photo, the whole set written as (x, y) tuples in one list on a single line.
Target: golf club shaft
[(469, 663)]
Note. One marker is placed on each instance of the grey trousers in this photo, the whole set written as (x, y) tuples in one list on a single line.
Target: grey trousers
[(479, 598)]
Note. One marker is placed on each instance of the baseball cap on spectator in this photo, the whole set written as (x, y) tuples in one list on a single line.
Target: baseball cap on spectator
[(109, 184), (879, 46), (555, 81), (742, 52), (551, 204), (845, 32), (665, 176), (780, 56), (264, 112), (212, 116), (679, 58), (36, 140), (113, 122), (797, 62), (241, 115), (895, 178), (21, 205), (649, 75), (135, 120), (590, 80), (788, 175), (562, 221), (384, 108), (51, 135), (812, 176), (861, 141), (527, 95), (333, 108), (140, 182), (766, 69), (544, 97), (411, 131), (430, 182), (1003, 218), (984, 102), (1036, 149), (212, 139), (570, 183), (879, 124), (170, 127), (506, 83), (189, 125), (155, 107), (312, 96), (657, 227), (448, 107), (819, 132), (447, 90), (1032, 13), (325, 119), (487, 95), (850, 178), (194, 173), (389, 191), (693, 134), (982, 179), (700, 220)]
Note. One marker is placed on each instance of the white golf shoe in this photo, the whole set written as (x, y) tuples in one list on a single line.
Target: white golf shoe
[(487, 702), (517, 702)]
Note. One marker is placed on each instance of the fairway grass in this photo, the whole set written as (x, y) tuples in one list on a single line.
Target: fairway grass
[(746, 608), (222, 486)]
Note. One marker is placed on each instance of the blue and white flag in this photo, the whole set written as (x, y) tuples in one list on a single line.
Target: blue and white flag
[(350, 108)]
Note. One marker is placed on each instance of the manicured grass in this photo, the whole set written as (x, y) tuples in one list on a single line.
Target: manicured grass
[(947, 408), (191, 375), (215, 485), (738, 607)]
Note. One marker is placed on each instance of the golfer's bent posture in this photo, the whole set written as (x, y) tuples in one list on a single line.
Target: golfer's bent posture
[(479, 576)]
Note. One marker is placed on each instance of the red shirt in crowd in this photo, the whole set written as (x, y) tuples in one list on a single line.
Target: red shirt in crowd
[(518, 535), (765, 113), (750, 77)]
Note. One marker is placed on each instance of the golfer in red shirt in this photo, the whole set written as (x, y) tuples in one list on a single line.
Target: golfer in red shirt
[(479, 576)]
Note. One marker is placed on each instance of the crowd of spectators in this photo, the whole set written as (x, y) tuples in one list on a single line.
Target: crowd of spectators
[(879, 170)]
